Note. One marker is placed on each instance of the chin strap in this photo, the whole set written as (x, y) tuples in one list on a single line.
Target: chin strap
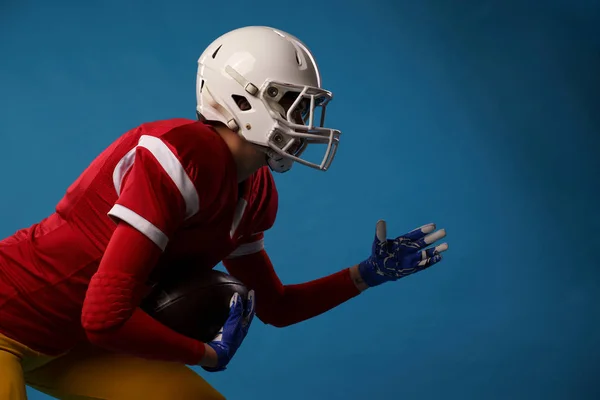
[(277, 162)]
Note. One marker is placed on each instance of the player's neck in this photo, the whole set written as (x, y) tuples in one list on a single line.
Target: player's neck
[(247, 157)]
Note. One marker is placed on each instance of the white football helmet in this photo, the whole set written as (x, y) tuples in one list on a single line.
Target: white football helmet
[(265, 85)]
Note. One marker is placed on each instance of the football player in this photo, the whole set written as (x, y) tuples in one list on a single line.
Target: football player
[(165, 193)]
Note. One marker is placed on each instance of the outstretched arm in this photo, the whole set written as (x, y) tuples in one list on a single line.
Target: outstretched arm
[(282, 305)]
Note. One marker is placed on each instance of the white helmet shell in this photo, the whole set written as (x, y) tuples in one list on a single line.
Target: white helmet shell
[(265, 85)]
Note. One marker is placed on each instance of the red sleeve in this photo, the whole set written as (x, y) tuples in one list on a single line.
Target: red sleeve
[(156, 193), (111, 316), (282, 305), (157, 183)]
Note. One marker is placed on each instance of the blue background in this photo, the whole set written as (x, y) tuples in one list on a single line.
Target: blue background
[(481, 116)]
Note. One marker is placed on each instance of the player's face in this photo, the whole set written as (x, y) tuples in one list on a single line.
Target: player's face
[(287, 101)]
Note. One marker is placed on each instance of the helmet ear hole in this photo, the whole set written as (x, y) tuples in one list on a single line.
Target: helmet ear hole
[(242, 102)]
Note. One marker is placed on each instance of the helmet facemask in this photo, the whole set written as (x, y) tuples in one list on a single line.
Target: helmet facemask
[(299, 116)]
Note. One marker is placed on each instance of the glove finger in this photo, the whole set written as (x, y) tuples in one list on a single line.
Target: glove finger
[(250, 310), (381, 231), (380, 243), (430, 252), (236, 311), (420, 232), (429, 262), (234, 299), (429, 239), (236, 308)]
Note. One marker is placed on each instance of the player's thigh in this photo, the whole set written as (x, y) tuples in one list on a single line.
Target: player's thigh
[(91, 373), (12, 384)]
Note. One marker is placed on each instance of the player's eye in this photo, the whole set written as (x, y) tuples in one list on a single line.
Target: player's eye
[(288, 100)]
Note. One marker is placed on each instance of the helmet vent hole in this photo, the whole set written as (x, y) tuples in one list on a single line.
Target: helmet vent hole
[(216, 51), (298, 59), (201, 85), (242, 102)]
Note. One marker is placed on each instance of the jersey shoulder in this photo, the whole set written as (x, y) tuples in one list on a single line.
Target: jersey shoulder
[(200, 151), (102, 178), (198, 145), (160, 127)]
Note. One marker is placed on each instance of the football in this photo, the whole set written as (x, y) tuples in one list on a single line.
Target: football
[(195, 304)]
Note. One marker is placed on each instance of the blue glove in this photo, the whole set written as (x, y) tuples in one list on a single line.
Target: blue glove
[(392, 259), (233, 333)]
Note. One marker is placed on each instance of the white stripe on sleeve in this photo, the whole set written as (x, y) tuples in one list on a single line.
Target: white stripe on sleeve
[(248, 248), (169, 163), (118, 212), (175, 170)]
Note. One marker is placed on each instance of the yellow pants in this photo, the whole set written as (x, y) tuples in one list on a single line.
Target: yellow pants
[(89, 373)]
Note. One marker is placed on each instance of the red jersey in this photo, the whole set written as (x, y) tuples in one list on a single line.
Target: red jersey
[(174, 181)]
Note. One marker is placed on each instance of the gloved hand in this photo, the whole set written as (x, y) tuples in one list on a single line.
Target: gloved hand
[(392, 259), (232, 334)]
